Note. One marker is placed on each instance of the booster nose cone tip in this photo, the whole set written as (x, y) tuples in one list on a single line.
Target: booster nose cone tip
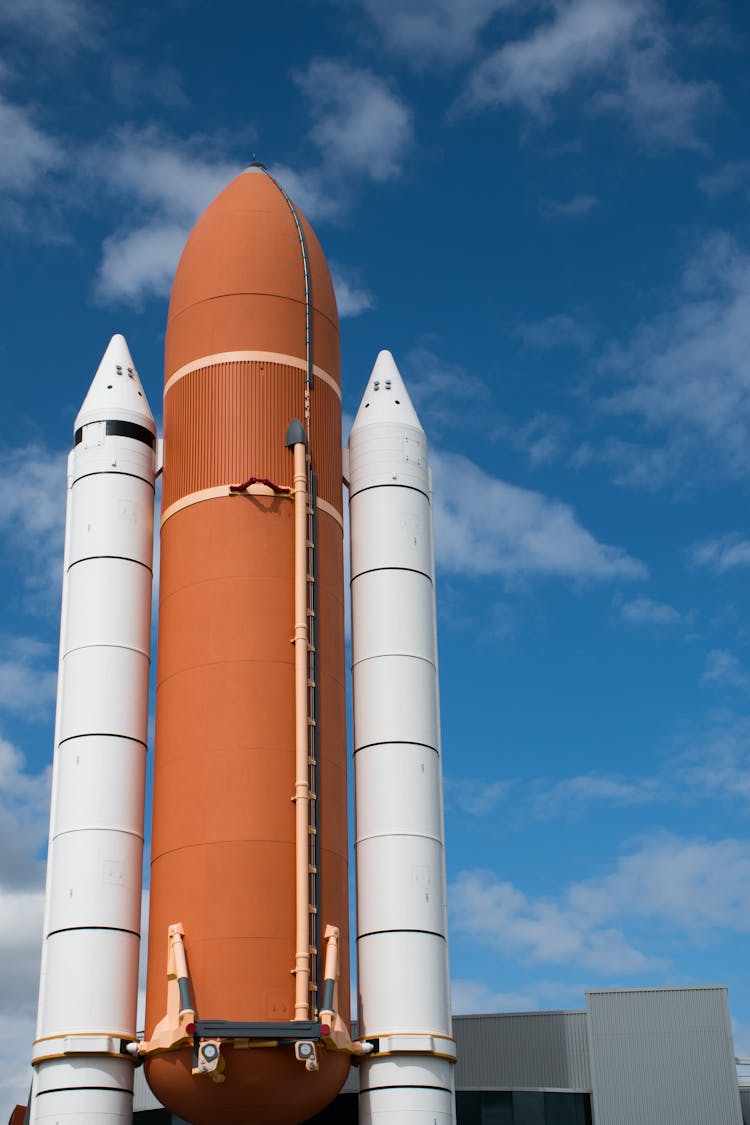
[(116, 391), (386, 398)]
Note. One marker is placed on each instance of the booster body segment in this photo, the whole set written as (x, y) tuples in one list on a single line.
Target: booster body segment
[(402, 953), (89, 980)]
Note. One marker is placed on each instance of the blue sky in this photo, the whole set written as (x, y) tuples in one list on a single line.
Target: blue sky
[(541, 208)]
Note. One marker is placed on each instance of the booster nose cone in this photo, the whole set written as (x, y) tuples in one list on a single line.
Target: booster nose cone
[(386, 398), (116, 392)]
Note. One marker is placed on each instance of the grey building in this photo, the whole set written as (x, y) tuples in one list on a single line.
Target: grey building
[(659, 1056)]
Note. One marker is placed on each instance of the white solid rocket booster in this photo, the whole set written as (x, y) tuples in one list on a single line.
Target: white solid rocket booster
[(402, 950), (89, 979)]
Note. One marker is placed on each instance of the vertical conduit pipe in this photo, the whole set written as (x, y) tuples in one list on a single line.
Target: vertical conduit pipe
[(296, 440)]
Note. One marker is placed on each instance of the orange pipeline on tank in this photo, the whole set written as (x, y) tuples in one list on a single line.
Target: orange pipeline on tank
[(252, 324)]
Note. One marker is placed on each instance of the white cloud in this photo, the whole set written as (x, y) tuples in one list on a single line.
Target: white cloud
[(724, 553), (352, 298), (27, 683), (663, 108), (646, 611), (723, 667), (445, 30), (20, 948), (577, 205), (501, 917), (165, 184), (309, 192), (687, 370), (581, 39), (140, 263), (27, 153), (474, 797), (472, 997), (687, 887), (558, 331), (730, 177), (153, 168), (485, 526), (32, 517), (716, 761), (619, 47), (59, 23), (24, 815), (691, 885), (360, 126), (571, 794), (432, 378)]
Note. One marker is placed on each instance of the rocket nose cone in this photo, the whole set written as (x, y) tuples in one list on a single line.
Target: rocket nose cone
[(116, 391), (386, 398)]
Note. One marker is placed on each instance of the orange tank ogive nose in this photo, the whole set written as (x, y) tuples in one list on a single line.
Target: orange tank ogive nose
[(252, 343)]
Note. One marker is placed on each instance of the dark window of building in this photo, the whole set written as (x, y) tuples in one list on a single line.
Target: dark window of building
[(528, 1107), (521, 1107), (485, 1107), (567, 1109)]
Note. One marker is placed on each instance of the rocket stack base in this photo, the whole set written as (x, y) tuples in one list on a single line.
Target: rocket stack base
[(247, 1005)]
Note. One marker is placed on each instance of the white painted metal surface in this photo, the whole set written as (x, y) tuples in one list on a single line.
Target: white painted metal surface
[(402, 952), (89, 980)]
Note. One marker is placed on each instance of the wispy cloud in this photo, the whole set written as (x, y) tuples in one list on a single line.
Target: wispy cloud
[(730, 177), (445, 394), (685, 370), (352, 296), (164, 183), (20, 948), (360, 125), (472, 997), (724, 668), (63, 24), (691, 887), (28, 152), (32, 518), (558, 331), (722, 554), (140, 263), (473, 796), (498, 915), (485, 526), (27, 676), (443, 30), (572, 794), (570, 208), (646, 611), (616, 48)]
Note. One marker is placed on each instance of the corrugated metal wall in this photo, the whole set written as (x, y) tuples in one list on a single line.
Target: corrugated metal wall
[(662, 1057), (532, 1050)]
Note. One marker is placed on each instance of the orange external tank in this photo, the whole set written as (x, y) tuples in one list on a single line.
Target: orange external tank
[(252, 344)]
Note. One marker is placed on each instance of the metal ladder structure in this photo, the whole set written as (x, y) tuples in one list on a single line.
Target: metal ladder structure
[(312, 728)]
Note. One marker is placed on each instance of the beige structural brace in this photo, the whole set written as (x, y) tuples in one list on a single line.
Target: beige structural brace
[(177, 1027)]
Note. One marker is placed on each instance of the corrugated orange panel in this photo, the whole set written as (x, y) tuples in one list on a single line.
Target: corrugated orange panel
[(228, 422)]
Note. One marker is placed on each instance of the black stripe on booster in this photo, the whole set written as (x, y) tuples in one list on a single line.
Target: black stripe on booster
[(117, 428)]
